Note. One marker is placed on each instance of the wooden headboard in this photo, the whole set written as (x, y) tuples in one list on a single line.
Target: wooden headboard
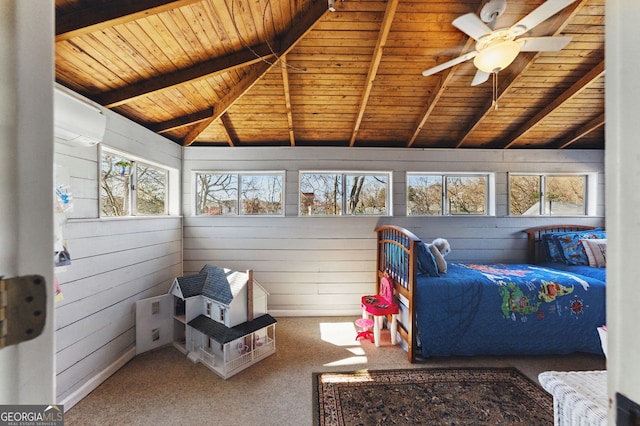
[(534, 237)]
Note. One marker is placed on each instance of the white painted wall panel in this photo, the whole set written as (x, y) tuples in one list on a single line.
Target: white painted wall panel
[(320, 265), (115, 262)]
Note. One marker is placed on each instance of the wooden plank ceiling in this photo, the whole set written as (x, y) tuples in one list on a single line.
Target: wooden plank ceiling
[(293, 73)]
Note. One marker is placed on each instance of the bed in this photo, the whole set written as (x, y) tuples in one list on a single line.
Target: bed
[(537, 308)]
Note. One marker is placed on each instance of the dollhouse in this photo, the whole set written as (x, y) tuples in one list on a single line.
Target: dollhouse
[(217, 317)]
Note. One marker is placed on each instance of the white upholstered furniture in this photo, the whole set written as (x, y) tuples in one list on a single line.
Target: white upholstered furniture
[(579, 397)]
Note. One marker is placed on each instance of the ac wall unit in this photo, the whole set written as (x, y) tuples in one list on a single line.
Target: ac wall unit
[(76, 122)]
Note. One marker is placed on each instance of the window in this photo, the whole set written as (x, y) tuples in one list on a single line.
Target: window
[(129, 187), (335, 193), (239, 193), (208, 309), (551, 195), (449, 194)]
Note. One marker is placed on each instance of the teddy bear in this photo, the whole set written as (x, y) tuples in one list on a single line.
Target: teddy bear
[(439, 248)]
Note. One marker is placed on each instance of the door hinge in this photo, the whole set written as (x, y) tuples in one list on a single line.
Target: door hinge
[(23, 308)]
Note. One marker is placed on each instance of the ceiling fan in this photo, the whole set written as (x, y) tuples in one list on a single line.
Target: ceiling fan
[(497, 49)]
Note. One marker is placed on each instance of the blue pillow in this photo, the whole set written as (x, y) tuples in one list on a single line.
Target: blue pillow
[(426, 262), (571, 248), (550, 249)]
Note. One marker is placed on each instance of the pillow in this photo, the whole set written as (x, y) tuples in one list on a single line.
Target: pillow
[(570, 246), (596, 250), (426, 262), (439, 258), (550, 249)]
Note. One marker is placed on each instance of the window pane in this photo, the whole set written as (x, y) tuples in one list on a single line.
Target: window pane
[(467, 195), (366, 194), (151, 190), (261, 194), (424, 195), (524, 195), (565, 195), (114, 180), (216, 194), (320, 194)]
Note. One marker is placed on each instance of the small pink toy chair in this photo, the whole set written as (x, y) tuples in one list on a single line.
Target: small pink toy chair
[(365, 325), (381, 305)]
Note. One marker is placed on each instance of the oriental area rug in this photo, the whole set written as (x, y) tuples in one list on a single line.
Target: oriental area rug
[(434, 396)]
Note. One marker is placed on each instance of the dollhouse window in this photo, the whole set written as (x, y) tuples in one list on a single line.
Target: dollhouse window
[(208, 308), (222, 315), (155, 334), (155, 308)]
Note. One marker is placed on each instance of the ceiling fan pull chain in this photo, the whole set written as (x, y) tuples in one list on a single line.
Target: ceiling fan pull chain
[(494, 101)]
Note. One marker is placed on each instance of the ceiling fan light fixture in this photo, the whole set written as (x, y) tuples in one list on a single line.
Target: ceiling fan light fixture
[(497, 56)]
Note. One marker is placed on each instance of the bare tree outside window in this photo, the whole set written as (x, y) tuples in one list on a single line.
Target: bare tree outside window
[(234, 193), (115, 186), (367, 194), (424, 195), (343, 194), (216, 194), (130, 188), (261, 194), (320, 194), (524, 194), (151, 190), (561, 195), (436, 195), (467, 195)]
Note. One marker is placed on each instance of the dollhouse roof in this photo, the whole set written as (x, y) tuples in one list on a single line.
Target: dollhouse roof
[(219, 284), (222, 334), (191, 285)]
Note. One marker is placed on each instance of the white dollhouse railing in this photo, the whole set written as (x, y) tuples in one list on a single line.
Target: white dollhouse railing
[(235, 365)]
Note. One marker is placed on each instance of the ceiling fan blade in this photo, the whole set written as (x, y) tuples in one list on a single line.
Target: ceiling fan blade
[(449, 64), (472, 25), (543, 44), (540, 14), (480, 77)]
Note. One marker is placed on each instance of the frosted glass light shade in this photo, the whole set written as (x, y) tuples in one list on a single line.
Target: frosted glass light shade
[(497, 57)]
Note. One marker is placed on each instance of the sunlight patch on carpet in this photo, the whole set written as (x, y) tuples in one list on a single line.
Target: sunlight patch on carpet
[(343, 334), (339, 333)]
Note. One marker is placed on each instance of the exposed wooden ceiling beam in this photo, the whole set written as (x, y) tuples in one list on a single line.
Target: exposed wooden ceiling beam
[(90, 18), (287, 98), (437, 93), (389, 13), (569, 94), (580, 132), (246, 83), (216, 66), (519, 67), (306, 24), (227, 129), (185, 120)]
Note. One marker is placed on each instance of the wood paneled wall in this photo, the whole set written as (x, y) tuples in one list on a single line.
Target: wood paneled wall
[(322, 265), (115, 261)]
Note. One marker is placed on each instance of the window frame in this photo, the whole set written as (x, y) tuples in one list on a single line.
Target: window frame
[(344, 175), (239, 175), (171, 204), (590, 188), (490, 186)]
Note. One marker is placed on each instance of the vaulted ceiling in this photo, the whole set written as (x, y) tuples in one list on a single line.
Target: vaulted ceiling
[(294, 73)]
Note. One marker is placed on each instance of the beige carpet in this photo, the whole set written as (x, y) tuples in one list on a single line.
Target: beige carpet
[(163, 387)]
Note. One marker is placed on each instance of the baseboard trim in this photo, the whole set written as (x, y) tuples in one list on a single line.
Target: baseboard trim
[(97, 380), (315, 312)]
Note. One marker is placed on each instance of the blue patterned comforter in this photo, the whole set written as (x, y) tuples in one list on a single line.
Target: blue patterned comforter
[(516, 309)]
